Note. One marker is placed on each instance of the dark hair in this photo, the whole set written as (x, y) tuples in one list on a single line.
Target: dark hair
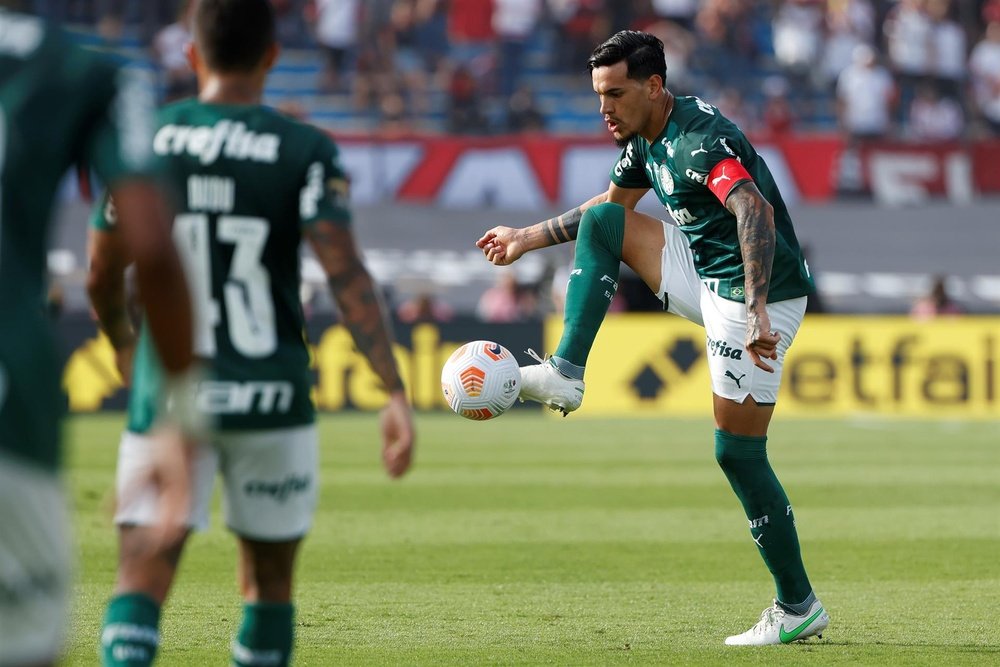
[(233, 35), (641, 51)]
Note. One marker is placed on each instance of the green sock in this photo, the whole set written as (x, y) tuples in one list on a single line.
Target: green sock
[(593, 281), (130, 633), (772, 524), (266, 635)]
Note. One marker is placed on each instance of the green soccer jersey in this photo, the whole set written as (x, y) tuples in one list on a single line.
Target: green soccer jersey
[(59, 105), (247, 180), (679, 167)]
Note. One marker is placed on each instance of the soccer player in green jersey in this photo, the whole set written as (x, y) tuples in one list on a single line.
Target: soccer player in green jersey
[(251, 184), (730, 263), (60, 106)]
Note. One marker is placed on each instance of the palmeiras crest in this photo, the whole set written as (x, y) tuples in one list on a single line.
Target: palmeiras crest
[(666, 180)]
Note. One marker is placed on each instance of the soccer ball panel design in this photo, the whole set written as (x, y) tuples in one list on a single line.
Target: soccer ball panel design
[(481, 380)]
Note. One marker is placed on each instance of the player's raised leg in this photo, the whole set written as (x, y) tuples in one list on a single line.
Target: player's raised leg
[(608, 234)]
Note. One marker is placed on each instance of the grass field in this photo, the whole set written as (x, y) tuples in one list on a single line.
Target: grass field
[(532, 540)]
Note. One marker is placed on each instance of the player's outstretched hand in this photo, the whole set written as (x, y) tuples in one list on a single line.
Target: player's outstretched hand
[(397, 435), (501, 245), (762, 343)]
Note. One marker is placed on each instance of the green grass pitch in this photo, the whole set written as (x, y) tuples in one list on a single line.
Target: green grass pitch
[(534, 540)]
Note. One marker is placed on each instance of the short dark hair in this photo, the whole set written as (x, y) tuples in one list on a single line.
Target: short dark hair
[(641, 51), (234, 35)]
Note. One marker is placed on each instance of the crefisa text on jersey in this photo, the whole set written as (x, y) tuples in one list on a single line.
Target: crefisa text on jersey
[(226, 138)]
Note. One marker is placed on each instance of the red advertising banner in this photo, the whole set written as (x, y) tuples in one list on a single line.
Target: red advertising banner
[(525, 172)]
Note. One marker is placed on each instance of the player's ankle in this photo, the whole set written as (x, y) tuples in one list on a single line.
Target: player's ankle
[(567, 369)]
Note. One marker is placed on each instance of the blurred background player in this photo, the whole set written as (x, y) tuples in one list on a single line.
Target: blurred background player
[(103, 120), (937, 302), (252, 183), (732, 264)]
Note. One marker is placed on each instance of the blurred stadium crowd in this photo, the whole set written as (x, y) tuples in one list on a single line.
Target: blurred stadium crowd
[(923, 74), (914, 69)]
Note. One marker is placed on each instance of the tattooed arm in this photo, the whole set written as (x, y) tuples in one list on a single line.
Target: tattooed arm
[(504, 245), (755, 227), (356, 295), (362, 313), (106, 288)]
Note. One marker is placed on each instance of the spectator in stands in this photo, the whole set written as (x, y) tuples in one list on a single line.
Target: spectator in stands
[(681, 12), (408, 65), (291, 27), (934, 116), (678, 45), (730, 102), (471, 38), (937, 303), (579, 24), (503, 302), (111, 16), (375, 67), (991, 11), (465, 112), (424, 306), (394, 115), (948, 49), (170, 54), (777, 116), (865, 97), (514, 22), (336, 25), (523, 114), (984, 67), (431, 19), (727, 49), (908, 31), (798, 36), (849, 23)]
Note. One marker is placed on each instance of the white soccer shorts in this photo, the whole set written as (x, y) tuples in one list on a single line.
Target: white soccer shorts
[(734, 375), (269, 478), (35, 572)]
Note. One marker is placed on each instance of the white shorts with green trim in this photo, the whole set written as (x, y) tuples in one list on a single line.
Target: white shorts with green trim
[(269, 482), (734, 375)]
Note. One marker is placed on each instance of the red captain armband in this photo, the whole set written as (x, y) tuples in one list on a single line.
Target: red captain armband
[(725, 176)]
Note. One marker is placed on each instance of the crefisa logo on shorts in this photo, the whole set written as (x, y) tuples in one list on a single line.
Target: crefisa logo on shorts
[(720, 348), (278, 489)]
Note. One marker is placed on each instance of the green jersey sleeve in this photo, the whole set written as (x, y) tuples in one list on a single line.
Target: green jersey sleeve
[(325, 193), (121, 137), (102, 214), (713, 142), (630, 169)]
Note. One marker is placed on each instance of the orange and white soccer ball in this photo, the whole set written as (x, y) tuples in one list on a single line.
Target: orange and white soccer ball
[(481, 380)]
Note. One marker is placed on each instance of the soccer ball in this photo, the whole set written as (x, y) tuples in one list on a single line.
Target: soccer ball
[(481, 380)]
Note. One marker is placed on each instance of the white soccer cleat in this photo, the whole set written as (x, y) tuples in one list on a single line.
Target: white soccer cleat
[(545, 384), (777, 626)]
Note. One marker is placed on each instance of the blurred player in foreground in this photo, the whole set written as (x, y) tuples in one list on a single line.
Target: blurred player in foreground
[(60, 106), (251, 183), (731, 264)]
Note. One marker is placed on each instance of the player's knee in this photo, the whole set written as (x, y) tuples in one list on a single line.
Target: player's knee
[(732, 449), (604, 225)]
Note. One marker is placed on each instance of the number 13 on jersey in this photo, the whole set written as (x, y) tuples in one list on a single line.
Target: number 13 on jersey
[(246, 288)]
